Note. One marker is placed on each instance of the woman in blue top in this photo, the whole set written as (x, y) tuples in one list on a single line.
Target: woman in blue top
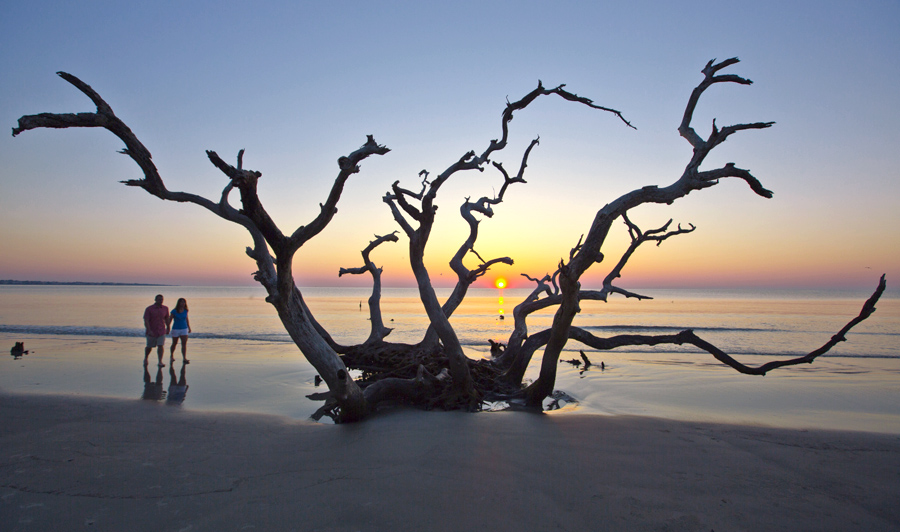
[(181, 326)]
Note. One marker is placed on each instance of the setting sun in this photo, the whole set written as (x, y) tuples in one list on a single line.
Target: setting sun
[(500, 283)]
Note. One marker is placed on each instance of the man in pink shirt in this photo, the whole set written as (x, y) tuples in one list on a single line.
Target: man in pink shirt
[(156, 327)]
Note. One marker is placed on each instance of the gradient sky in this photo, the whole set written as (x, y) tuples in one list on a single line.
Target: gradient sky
[(299, 84)]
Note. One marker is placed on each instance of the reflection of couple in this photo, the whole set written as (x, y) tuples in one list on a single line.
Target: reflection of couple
[(177, 388), (153, 390), (158, 322)]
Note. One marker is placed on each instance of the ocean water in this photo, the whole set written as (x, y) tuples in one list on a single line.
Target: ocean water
[(87, 340)]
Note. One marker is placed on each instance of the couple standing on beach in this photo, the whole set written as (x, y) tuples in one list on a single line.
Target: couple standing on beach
[(158, 322)]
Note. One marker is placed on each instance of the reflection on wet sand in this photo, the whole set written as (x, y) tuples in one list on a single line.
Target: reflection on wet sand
[(587, 363), (177, 388), (153, 389)]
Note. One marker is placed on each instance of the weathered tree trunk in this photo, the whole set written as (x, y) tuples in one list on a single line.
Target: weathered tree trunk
[(322, 357), (273, 252), (273, 272), (458, 362), (464, 276), (559, 335)]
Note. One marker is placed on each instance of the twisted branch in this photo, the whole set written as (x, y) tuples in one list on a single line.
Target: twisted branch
[(274, 273), (378, 331), (538, 340)]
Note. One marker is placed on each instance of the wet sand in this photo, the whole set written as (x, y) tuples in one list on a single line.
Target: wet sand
[(83, 463), (273, 378)]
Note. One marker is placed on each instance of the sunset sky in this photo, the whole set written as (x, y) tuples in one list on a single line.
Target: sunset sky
[(299, 84)]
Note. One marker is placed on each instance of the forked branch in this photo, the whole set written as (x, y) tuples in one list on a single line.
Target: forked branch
[(638, 238), (378, 331), (538, 340), (588, 252)]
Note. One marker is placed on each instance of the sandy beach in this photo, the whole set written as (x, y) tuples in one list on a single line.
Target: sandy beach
[(242, 359), (81, 463), (659, 440)]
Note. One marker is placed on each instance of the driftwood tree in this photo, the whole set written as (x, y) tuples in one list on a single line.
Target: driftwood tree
[(436, 371)]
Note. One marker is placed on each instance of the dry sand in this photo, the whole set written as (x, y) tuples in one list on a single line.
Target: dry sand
[(128, 465)]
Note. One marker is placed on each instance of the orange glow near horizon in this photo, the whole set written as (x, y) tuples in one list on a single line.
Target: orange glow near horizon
[(500, 283)]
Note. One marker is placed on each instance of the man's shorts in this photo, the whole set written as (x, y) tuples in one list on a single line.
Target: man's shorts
[(154, 341)]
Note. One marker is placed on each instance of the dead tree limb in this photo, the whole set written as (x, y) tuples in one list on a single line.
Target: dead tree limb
[(688, 336), (274, 269), (378, 331), (398, 201), (405, 371), (515, 369), (465, 276), (638, 237), (868, 308), (587, 253)]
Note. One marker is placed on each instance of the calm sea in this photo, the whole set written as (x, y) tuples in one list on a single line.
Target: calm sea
[(234, 330)]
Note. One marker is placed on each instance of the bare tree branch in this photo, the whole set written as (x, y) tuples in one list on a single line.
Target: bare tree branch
[(519, 177), (711, 177), (424, 216), (274, 273), (246, 182), (348, 165), (400, 196), (587, 253), (710, 78), (638, 237), (465, 276), (868, 308), (391, 200), (535, 341), (532, 304), (378, 331), (404, 371)]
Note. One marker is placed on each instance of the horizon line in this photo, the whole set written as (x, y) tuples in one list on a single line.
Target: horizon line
[(738, 287)]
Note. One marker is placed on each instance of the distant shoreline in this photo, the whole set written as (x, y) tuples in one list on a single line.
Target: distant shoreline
[(75, 283)]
